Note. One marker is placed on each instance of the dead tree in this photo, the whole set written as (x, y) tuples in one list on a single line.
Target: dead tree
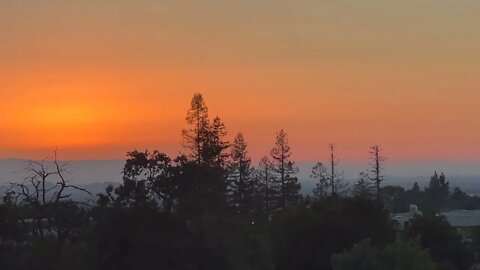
[(376, 161), (333, 171), (44, 193), (336, 183)]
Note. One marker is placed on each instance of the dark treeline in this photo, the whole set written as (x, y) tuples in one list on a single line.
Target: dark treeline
[(210, 208), (434, 198)]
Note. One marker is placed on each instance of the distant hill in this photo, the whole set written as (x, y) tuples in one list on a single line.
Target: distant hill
[(95, 175)]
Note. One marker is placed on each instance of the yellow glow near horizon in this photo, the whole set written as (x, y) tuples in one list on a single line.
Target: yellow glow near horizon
[(97, 78)]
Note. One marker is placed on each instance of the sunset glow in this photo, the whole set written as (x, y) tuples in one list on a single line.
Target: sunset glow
[(97, 79)]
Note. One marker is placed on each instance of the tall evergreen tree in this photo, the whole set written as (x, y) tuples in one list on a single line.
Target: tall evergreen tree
[(438, 187), (438, 191), (195, 137), (266, 190), (320, 176), (285, 171), (216, 143), (204, 139), (240, 183), (201, 176)]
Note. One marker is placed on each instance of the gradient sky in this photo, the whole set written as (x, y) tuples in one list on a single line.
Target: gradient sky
[(97, 78)]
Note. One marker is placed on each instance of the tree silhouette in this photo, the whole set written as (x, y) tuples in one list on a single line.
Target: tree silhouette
[(362, 187), (267, 188), (443, 242), (195, 137), (45, 196), (216, 144), (377, 161), (285, 171), (335, 176), (240, 181), (320, 175), (205, 140), (210, 209), (438, 191), (147, 179), (306, 236)]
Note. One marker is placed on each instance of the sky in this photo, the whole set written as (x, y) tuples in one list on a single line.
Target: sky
[(96, 79)]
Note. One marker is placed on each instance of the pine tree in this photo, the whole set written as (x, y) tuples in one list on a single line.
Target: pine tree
[(320, 175), (201, 176), (240, 183), (216, 145), (285, 171), (438, 190), (196, 136), (266, 190), (204, 140)]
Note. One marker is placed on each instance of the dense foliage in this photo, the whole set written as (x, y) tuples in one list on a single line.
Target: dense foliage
[(209, 209)]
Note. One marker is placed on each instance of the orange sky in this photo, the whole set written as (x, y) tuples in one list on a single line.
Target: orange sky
[(99, 78)]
